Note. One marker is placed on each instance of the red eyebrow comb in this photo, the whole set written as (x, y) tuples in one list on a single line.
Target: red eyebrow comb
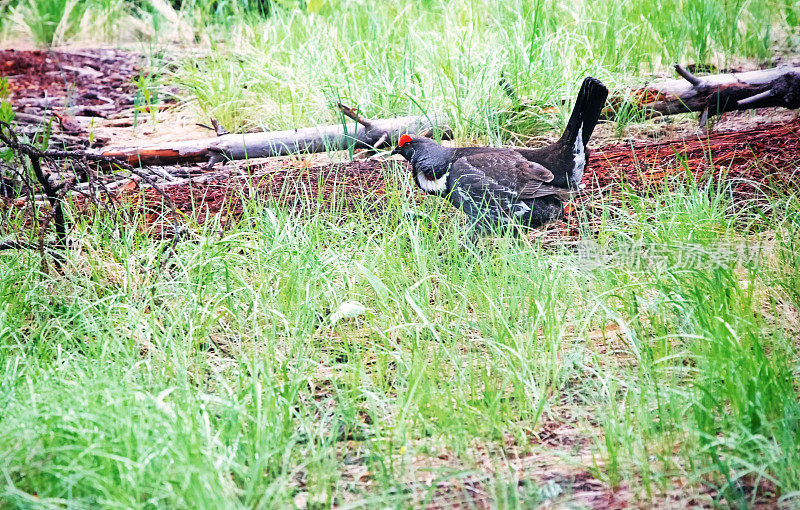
[(403, 140)]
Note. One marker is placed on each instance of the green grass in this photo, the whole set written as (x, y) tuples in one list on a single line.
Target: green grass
[(275, 358), (290, 69), (53, 22), (284, 64)]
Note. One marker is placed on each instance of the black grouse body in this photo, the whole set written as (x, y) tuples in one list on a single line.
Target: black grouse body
[(495, 187)]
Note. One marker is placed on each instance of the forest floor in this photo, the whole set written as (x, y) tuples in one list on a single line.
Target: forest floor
[(98, 104)]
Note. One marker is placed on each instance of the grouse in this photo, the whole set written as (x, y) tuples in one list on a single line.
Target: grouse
[(497, 187)]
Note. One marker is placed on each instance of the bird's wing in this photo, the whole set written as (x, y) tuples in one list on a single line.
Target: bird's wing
[(505, 173), (532, 179)]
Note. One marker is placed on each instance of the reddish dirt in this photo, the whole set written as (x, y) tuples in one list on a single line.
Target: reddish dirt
[(100, 82), (757, 159), (767, 155), (88, 79), (753, 165), (339, 187)]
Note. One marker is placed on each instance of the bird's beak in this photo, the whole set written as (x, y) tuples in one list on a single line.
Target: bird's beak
[(396, 151)]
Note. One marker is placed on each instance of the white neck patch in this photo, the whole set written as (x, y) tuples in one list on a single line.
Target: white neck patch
[(432, 186)]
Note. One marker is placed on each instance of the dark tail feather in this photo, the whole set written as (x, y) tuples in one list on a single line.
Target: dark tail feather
[(588, 106)]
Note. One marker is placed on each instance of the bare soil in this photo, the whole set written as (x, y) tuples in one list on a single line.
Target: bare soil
[(87, 75), (92, 83)]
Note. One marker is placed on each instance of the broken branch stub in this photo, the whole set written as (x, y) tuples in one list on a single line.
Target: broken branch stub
[(278, 143)]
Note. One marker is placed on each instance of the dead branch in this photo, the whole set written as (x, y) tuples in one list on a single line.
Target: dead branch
[(362, 133), (716, 94), (56, 186), (353, 115), (218, 128), (52, 191), (369, 125), (215, 126)]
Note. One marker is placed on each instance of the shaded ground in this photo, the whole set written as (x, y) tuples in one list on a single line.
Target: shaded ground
[(78, 89), (99, 84), (100, 80)]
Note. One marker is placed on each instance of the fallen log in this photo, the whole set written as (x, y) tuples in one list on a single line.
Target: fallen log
[(715, 94), (363, 133)]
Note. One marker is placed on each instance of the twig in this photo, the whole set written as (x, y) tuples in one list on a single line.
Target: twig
[(54, 196), (384, 137), (13, 244), (353, 114), (56, 213), (215, 126), (688, 76), (55, 192), (703, 119), (368, 124), (18, 244), (755, 98), (9, 137), (178, 233)]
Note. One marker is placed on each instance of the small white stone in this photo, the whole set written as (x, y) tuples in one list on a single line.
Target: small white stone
[(348, 310)]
